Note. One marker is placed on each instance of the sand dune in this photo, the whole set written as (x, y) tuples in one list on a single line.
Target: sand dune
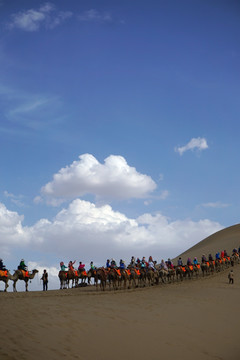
[(193, 319), (226, 239)]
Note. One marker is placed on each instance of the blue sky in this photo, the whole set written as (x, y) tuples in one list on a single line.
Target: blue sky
[(119, 127)]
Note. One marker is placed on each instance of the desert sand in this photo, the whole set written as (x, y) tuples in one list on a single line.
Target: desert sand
[(193, 319)]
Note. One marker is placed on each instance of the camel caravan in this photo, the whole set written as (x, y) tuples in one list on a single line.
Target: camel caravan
[(141, 273), (20, 274)]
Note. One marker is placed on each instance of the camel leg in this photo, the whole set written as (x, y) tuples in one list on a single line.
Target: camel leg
[(26, 285), (6, 286)]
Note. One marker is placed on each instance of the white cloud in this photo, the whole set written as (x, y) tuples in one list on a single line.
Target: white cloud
[(95, 16), (215, 205), (164, 194), (114, 179), (86, 232), (12, 232), (15, 199), (32, 19), (194, 144)]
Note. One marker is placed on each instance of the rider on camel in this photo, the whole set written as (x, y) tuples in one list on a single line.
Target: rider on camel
[(81, 267), (132, 262), (225, 253), (189, 261), (113, 264), (62, 266), (108, 264), (92, 267), (195, 261), (122, 265), (218, 256), (2, 266), (210, 258), (151, 264), (180, 262), (163, 265), (204, 259), (143, 263), (70, 265), (22, 265), (170, 264), (235, 251)]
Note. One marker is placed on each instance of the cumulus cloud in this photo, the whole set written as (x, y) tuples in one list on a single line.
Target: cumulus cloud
[(93, 15), (85, 232), (114, 179), (194, 144), (12, 232), (32, 19)]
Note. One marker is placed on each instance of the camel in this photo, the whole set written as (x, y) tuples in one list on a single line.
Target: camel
[(189, 271), (152, 277), (63, 279), (83, 276), (180, 272), (72, 276), (196, 269), (234, 259), (5, 277), (163, 274), (91, 274), (218, 265), (211, 266), (101, 274), (143, 276), (19, 275), (205, 268), (171, 275), (125, 277), (134, 277), (114, 279)]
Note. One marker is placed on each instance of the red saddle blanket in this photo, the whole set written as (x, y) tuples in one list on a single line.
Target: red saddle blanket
[(3, 273)]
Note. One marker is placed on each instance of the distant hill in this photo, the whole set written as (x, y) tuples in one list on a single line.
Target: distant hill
[(226, 239)]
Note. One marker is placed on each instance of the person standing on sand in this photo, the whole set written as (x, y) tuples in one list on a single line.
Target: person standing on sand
[(45, 280), (231, 277)]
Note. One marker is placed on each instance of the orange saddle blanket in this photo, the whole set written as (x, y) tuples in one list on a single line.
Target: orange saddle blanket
[(3, 273), (25, 273)]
